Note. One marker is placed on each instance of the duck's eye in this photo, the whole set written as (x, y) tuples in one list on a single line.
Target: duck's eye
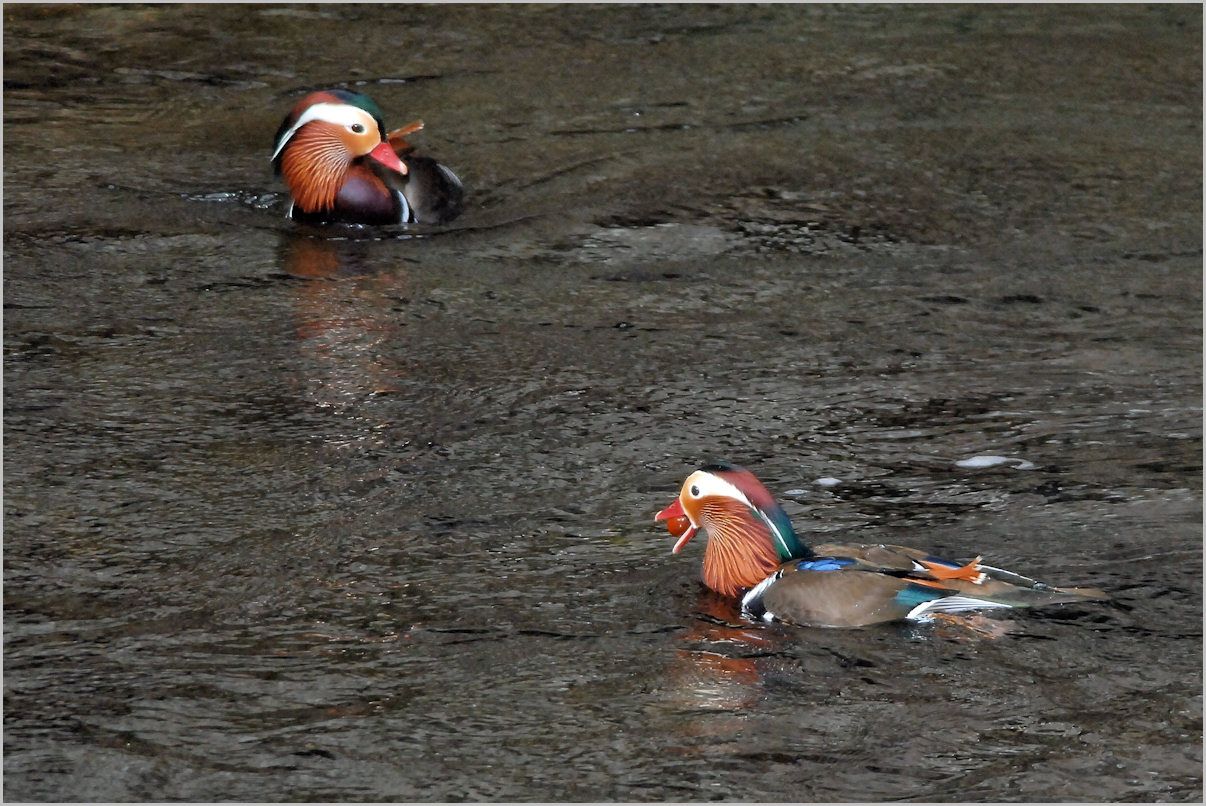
[(357, 128), (695, 491)]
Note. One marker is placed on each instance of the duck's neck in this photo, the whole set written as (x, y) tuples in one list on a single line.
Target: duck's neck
[(745, 548), (732, 565), (783, 536)]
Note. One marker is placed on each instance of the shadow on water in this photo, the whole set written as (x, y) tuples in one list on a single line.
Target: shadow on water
[(352, 515)]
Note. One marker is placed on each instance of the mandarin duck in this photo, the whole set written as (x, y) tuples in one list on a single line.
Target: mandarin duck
[(753, 552), (342, 168)]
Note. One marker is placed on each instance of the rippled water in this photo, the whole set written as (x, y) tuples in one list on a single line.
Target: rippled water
[(368, 515)]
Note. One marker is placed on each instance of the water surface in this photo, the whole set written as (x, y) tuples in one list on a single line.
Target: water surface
[(368, 515)]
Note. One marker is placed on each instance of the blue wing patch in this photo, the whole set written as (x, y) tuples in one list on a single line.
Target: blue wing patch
[(825, 563)]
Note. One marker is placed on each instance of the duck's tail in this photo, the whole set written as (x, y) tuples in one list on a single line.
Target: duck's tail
[(1007, 588)]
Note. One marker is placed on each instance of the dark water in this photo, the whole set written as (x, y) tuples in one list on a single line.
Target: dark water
[(293, 516)]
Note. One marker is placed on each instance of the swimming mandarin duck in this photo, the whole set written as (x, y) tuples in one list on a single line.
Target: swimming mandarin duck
[(342, 168), (754, 552)]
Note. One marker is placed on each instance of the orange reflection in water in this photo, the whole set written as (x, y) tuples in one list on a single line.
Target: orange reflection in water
[(346, 317), (720, 670)]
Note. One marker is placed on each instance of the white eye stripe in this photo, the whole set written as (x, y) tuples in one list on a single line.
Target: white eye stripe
[(705, 484), (339, 114)]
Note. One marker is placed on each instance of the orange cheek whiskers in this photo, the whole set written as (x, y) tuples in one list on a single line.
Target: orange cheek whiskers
[(313, 166), (739, 553)]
